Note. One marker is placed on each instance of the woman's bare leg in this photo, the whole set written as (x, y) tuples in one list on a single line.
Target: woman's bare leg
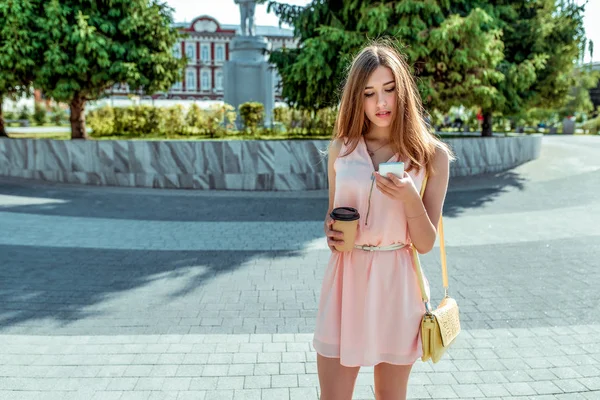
[(391, 381), (336, 381)]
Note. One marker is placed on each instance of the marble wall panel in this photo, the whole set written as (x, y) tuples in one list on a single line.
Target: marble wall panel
[(211, 156), (232, 157), (120, 157), (224, 165), (83, 155), (17, 154), (201, 182), (4, 143), (52, 155), (259, 156), (282, 162), (143, 157), (105, 153)]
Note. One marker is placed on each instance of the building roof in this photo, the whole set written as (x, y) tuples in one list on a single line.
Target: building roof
[(261, 30), (264, 30)]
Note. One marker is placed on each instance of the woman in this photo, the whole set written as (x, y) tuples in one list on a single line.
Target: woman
[(370, 307)]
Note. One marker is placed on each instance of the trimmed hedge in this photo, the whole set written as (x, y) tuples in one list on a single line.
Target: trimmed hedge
[(214, 122), (160, 121)]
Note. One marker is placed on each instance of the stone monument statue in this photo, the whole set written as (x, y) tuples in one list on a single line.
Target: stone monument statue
[(247, 8), (248, 74)]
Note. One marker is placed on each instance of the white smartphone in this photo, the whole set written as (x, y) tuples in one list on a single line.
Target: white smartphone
[(396, 168)]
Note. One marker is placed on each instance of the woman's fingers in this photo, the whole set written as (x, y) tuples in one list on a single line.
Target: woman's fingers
[(385, 189), (335, 234), (331, 242)]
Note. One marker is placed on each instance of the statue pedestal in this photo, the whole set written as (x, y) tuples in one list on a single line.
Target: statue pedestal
[(248, 75)]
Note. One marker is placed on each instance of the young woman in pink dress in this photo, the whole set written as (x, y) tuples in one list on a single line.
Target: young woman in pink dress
[(370, 307)]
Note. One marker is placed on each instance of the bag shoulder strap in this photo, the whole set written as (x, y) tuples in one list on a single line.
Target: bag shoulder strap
[(417, 263)]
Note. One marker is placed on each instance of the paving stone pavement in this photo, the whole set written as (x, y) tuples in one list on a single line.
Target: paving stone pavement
[(113, 293)]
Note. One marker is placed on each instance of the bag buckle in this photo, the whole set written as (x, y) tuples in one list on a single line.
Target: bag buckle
[(428, 311), (367, 247)]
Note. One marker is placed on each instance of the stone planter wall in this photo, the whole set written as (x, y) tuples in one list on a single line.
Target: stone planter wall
[(230, 165)]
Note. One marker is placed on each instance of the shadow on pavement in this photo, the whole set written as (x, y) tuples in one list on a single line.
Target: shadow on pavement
[(464, 193), (128, 204), (476, 191), (64, 285)]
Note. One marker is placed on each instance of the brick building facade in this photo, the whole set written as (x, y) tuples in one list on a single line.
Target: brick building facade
[(207, 49)]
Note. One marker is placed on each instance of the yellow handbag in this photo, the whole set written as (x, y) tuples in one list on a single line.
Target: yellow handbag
[(440, 327)]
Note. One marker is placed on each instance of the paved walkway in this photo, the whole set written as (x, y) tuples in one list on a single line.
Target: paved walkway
[(112, 293)]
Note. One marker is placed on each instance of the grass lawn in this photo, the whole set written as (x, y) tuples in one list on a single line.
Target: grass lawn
[(41, 135)]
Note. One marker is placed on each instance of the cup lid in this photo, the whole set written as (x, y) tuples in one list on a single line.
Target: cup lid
[(345, 214)]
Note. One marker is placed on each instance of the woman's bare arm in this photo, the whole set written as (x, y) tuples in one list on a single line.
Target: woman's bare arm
[(423, 216), (333, 237)]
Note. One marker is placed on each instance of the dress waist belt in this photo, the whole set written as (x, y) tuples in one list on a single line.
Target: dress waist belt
[(395, 246)]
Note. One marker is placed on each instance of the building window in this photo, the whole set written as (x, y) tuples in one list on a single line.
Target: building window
[(190, 81), (190, 51), (205, 53), (177, 86), (220, 53), (205, 80), (177, 50), (219, 78)]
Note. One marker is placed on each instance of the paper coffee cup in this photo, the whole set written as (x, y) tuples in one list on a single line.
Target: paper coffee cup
[(345, 220)]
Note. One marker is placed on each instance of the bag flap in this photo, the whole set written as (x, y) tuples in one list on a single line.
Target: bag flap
[(448, 320)]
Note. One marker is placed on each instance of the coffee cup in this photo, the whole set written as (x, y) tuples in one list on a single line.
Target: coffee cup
[(345, 219)]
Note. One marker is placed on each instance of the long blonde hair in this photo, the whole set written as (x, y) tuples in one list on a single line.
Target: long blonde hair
[(410, 137)]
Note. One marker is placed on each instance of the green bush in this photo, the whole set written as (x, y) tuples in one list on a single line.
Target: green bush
[(101, 121), (9, 115), (230, 116), (174, 120), (196, 119), (592, 126), (58, 115), (252, 115), (157, 121), (219, 120), (310, 123), (215, 120), (40, 116), (283, 115), (325, 121), (123, 121), (25, 114)]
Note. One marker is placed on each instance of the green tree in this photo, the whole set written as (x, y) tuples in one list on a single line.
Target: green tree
[(17, 50), (543, 39), (578, 99), (90, 46), (454, 56), (502, 56)]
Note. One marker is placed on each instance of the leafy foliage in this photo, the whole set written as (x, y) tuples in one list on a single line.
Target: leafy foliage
[(90, 46), (501, 56), (453, 56)]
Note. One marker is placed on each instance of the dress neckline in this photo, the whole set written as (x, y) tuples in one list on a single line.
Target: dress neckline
[(364, 142)]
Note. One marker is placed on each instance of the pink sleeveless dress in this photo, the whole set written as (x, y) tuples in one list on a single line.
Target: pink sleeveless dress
[(370, 307)]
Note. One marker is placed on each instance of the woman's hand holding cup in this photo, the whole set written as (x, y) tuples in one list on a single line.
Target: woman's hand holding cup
[(334, 238)]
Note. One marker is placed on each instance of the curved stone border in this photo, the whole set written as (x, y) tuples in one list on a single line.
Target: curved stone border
[(231, 165)]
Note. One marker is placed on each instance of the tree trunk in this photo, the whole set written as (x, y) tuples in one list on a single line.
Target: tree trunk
[(77, 118), (2, 129), (486, 126)]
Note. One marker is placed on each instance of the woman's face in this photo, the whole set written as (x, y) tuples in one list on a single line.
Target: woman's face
[(380, 97)]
